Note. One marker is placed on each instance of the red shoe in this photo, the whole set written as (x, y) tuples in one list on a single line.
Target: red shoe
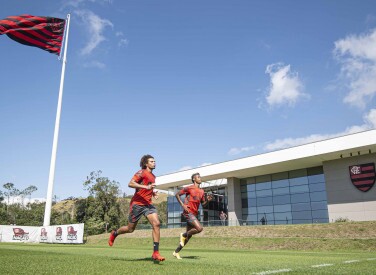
[(112, 238), (157, 257)]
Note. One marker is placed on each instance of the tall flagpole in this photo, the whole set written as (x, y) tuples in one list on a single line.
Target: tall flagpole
[(47, 211)]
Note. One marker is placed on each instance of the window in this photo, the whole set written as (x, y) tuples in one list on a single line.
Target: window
[(297, 196)]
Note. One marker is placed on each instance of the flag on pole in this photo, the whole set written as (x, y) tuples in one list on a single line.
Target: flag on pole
[(36, 31)]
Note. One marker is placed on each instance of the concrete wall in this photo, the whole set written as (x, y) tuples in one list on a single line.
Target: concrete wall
[(234, 205), (344, 199)]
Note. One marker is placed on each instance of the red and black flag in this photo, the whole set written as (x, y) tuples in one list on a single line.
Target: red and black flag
[(36, 31)]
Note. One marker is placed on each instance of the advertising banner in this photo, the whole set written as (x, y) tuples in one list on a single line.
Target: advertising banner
[(69, 233)]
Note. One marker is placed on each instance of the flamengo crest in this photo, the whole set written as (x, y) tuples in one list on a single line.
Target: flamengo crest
[(363, 176)]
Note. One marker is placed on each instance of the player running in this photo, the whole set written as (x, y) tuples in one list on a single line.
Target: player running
[(144, 182), (194, 196)]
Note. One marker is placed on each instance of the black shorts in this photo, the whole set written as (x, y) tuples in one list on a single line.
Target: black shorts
[(137, 211), (189, 217)]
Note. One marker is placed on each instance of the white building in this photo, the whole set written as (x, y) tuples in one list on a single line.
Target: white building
[(311, 183)]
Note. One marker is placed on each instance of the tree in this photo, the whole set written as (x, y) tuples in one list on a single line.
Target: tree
[(30, 190), (105, 192), (8, 186)]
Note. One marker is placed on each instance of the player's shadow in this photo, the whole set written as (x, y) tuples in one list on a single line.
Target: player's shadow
[(192, 257), (148, 259)]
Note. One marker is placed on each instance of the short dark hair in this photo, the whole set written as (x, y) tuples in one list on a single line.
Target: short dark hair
[(193, 176), (144, 160)]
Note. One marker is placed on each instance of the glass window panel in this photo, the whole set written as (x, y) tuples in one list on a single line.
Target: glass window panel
[(251, 194), (281, 191), (244, 195), (265, 178), (315, 187), (264, 209), (264, 193), (284, 199), (298, 181), (299, 189), (318, 196), (298, 173), (283, 217), (252, 218), (280, 183), (177, 207), (280, 176), (252, 210), (315, 170), (282, 221), (263, 186), (301, 207), (170, 207), (170, 220), (316, 178), (243, 188), (251, 187), (244, 203), (176, 214), (301, 215), (245, 211), (322, 205), (267, 218), (282, 208), (320, 214), (264, 201), (303, 197), (252, 202)]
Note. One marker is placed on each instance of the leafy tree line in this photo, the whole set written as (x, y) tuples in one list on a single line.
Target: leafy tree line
[(104, 209)]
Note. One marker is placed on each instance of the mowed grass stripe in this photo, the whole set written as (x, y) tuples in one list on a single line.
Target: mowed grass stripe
[(134, 258)]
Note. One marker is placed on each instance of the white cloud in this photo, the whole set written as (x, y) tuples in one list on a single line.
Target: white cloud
[(285, 85), (95, 27), (123, 42), (237, 151), (94, 64), (357, 56), (369, 123)]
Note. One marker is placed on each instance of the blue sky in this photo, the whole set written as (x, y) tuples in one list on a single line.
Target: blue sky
[(190, 82)]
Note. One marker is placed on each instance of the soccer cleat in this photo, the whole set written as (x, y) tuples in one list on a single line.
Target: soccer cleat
[(157, 257), (111, 239), (182, 240), (176, 255)]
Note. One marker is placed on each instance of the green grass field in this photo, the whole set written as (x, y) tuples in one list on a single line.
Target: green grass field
[(202, 255)]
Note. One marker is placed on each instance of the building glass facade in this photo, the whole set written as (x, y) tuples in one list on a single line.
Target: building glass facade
[(292, 197), (208, 215)]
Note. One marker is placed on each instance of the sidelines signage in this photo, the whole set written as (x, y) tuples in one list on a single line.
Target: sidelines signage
[(363, 176), (69, 233)]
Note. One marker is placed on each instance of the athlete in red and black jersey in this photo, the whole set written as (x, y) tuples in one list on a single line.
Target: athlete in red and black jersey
[(144, 182), (194, 195)]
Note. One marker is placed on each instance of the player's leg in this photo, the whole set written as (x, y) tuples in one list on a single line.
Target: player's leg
[(183, 241), (196, 227), (135, 214), (153, 219)]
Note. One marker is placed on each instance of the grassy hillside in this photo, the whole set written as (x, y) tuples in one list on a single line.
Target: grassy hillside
[(360, 236)]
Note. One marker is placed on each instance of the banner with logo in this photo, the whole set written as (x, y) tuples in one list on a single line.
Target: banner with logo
[(69, 233)]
